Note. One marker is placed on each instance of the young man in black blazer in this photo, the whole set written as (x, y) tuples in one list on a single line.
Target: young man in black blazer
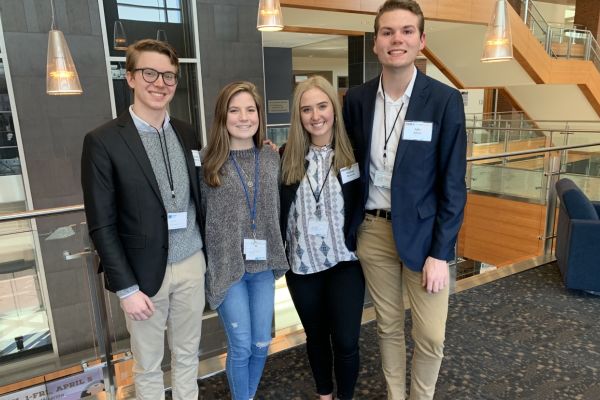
[(409, 135), (140, 185)]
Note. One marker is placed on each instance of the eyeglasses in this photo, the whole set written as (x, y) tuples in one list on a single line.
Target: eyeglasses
[(151, 75)]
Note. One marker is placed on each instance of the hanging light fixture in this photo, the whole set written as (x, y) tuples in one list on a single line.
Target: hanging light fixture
[(61, 75), (498, 40), (269, 16), (161, 36), (119, 37)]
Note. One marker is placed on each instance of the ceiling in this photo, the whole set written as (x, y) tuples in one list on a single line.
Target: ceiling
[(331, 46)]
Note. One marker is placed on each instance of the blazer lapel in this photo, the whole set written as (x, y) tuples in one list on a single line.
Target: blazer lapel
[(418, 101), (367, 118), (131, 137)]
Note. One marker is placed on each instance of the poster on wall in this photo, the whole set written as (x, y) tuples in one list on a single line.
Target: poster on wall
[(87, 383)]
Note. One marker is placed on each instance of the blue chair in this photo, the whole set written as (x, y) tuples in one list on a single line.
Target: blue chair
[(578, 238)]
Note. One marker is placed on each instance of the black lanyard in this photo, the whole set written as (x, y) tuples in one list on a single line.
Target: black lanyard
[(385, 134), (166, 160)]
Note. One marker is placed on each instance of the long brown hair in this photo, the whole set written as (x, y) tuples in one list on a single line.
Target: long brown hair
[(217, 149), (296, 148)]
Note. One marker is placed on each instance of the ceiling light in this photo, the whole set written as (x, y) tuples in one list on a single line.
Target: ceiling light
[(269, 16), (498, 40)]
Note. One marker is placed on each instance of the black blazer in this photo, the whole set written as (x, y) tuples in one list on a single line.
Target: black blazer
[(352, 193), (126, 217), (428, 181)]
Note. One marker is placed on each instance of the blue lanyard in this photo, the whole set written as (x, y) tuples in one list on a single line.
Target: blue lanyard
[(252, 208)]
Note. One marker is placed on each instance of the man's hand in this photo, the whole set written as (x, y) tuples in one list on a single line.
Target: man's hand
[(138, 306), (435, 275), (273, 146)]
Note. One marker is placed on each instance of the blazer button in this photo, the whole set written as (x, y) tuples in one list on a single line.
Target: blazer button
[(164, 216), (165, 247)]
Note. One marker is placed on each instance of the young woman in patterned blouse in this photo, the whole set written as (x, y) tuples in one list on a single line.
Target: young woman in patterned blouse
[(320, 182)]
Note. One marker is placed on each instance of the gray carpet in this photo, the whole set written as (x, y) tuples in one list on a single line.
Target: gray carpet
[(521, 337)]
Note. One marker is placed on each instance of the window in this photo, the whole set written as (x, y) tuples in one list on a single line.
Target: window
[(168, 11)]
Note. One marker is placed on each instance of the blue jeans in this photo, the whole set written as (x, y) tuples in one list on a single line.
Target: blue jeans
[(247, 315)]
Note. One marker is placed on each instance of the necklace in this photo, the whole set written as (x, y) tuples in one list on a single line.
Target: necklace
[(247, 178)]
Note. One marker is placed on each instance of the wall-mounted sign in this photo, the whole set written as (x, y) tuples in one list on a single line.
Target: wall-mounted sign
[(278, 106)]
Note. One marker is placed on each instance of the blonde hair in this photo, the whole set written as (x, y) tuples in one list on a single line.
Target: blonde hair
[(218, 147), (292, 165)]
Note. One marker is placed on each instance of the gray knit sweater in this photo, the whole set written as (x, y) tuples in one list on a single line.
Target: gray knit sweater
[(228, 223)]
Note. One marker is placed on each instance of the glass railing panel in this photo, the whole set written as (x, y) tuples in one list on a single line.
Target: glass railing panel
[(508, 181), (590, 185), (57, 325), (24, 326)]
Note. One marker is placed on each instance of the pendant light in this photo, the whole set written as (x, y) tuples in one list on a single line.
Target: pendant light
[(269, 16), (61, 75), (119, 36), (161, 36), (498, 40)]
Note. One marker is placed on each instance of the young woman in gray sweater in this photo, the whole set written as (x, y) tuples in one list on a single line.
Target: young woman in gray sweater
[(244, 248)]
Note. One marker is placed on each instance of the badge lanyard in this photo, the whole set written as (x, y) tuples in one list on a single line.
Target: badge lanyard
[(317, 195), (166, 160), (385, 134), (251, 208)]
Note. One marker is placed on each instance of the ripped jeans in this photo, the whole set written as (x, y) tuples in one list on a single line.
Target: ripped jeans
[(247, 315)]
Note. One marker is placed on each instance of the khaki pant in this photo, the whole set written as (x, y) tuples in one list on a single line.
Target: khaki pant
[(387, 279), (179, 305)]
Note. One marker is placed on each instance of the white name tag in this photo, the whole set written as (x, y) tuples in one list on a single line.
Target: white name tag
[(177, 220), (255, 250), (383, 179), (196, 155), (350, 174), (417, 130), (317, 228)]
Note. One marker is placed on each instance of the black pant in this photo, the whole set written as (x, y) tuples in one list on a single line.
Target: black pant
[(330, 305)]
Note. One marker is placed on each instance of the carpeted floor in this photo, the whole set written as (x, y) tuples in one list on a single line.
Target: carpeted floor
[(522, 337)]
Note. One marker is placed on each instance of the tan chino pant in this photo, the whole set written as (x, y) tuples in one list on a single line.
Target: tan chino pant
[(386, 280), (179, 306)]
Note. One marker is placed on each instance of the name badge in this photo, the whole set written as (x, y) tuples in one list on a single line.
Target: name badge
[(196, 155), (255, 250), (317, 228), (383, 179), (417, 130), (350, 174), (177, 220)]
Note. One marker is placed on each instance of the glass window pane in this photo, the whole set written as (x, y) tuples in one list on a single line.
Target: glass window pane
[(12, 194), (174, 16), (143, 23), (141, 14), (150, 3)]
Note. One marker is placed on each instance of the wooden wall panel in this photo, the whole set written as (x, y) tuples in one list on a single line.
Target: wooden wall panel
[(501, 231)]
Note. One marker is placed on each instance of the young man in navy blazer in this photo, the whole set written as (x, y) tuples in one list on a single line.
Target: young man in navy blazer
[(409, 135), (139, 174)]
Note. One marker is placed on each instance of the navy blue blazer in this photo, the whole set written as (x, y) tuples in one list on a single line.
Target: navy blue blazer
[(428, 191)]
